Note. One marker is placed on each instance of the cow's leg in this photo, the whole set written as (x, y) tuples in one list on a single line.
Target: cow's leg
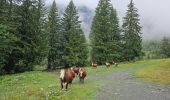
[(83, 80), (80, 79), (66, 85), (61, 85), (70, 83)]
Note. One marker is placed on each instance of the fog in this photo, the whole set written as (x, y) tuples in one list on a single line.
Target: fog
[(154, 15)]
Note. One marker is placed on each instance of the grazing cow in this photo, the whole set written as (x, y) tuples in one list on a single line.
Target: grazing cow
[(75, 69), (107, 64), (94, 65), (72, 71), (66, 78), (82, 74), (114, 63)]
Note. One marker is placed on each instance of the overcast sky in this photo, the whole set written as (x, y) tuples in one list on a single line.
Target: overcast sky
[(154, 14)]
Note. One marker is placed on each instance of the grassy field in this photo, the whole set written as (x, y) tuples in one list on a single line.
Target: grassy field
[(158, 71), (39, 85), (46, 85)]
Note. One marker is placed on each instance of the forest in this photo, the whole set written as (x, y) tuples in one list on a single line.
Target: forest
[(32, 35)]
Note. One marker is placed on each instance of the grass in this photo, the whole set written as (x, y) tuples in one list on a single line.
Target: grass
[(158, 72), (38, 85), (29, 85)]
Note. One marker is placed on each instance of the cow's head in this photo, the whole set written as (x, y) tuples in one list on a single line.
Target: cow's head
[(62, 73), (71, 68), (81, 72)]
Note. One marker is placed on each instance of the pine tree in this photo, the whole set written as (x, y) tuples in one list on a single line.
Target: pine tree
[(105, 34), (165, 47), (23, 34), (41, 36), (75, 47), (28, 34), (115, 39), (7, 45), (9, 21), (132, 34), (31, 36), (55, 40)]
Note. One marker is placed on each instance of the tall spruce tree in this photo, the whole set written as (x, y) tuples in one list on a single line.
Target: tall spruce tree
[(7, 46), (105, 34), (115, 38), (132, 33), (9, 21), (43, 37), (55, 40), (23, 35), (75, 47), (31, 35)]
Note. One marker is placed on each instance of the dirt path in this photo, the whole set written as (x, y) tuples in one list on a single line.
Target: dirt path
[(122, 86)]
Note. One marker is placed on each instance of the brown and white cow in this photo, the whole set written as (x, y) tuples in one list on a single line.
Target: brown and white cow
[(72, 71), (82, 74), (66, 78), (94, 65), (107, 64), (75, 69), (115, 63)]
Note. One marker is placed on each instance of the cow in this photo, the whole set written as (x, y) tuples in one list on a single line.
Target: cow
[(107, 64), (75, 69), (94, 65), (114, 63), (66, 78), (82, 74), (72, 71)]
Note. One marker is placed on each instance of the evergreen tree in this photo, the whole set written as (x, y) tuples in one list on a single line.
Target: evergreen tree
[(55, 40), (27, 32), (31, 35), (105, 34), (75, 47), (132, 33), (23, 35), (42, 34), (114, 38), (9, 21), (7, 45), (165, 47)]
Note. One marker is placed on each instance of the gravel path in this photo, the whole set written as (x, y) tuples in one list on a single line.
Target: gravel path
[(122, 86)]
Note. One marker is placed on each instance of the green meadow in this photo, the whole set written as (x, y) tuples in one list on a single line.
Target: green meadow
[(39, 85)]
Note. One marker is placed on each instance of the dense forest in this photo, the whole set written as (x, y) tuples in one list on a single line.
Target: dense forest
[(156, 49), (30, 35)]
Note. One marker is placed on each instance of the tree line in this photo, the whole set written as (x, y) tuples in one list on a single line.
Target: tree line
[(157, 49), (29, 35), (109, 41)]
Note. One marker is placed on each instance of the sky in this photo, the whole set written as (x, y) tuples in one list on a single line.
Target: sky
[(154, 14)]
